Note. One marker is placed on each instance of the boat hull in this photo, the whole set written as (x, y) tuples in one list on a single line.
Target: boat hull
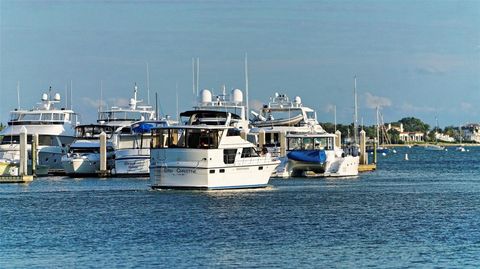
[(135, 162), (190, 177)]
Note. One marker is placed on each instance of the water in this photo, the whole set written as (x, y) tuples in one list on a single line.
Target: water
[(424, 212)]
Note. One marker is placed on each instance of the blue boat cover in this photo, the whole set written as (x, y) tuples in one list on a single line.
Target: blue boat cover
[(143, 128), (309, 156)]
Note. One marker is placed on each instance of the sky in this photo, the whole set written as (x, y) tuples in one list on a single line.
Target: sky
[(412, 58)]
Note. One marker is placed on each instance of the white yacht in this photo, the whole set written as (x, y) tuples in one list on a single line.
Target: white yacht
[(316, 154), (83, 157), (207, 157), (132, 153), (122, 116), (283, 115), (54, 126)]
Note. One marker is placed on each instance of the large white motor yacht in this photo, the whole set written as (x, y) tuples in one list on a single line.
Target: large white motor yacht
[(54, 127), (83, 157), (207, 157)]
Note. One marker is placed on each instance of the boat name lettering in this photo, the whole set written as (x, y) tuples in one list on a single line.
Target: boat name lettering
[(186, 171)]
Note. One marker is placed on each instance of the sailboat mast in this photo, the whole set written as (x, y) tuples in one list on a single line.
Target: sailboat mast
[(247, 113), (378, 126), (335, 118), (355, 115)]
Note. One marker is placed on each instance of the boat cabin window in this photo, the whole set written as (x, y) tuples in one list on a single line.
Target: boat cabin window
[(272, 139), (186, 138), (81, 150), (122, 116), (93, 131), (310, 143), (43, 140), (310, 115), (249, 152), (233, 132), (29, 117), (229, 156)]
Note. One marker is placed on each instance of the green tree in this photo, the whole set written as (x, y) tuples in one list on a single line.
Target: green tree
[(394, 136), (411, 124)]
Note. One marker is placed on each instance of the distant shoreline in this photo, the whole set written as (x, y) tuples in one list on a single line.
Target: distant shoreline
[(441, 144)]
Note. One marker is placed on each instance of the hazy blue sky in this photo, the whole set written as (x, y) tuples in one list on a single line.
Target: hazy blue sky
[(415, 58)]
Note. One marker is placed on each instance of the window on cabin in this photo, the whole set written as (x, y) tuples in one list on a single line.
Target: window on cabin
[(229, 156), (249, 152)]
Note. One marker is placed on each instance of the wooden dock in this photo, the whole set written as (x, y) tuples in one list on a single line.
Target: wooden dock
[(16, 179), (367, 167)]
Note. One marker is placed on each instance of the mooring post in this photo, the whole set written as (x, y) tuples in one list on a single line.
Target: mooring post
[(363, 150), (261, 138), (283, 143), (34, 154), (338, 139), (103, 153), (23, 152)]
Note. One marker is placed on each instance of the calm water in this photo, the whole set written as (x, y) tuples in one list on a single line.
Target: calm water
[(419, 213)]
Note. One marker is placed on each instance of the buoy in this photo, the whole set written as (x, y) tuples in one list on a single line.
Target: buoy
[(384, 154), (394, 151), (406, 156)]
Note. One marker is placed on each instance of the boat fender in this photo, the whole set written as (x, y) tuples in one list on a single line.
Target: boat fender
[(343, 154)]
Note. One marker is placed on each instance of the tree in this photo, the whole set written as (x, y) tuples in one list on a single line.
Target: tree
[(394, 136), (411, 124)]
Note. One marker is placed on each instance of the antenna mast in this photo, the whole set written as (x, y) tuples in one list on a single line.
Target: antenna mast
[(176, 96), (193, 80), (18, 94), (355, 115), (101, 95), (247, 113), (198, 73), (148, 86), (71, 93), (335, 118)]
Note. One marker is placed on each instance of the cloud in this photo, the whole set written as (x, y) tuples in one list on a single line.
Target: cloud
[(95, 103), (436, 64), (329, 108), (407, 107), (373, 101), (255, 104), (466, 107)]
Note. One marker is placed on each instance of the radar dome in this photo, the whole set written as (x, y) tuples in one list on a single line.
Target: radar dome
[(206, 96), (298, 100), (44, 97), (56, 97), (237, 96)]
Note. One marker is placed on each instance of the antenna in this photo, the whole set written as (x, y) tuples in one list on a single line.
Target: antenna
[(18, 94), (148, 85), (71, 93), (246, 86), (101, 96), (355, 115), (193, 79), (335, 118), (176, 95), (198, 73), (66, 96), (156, 105)]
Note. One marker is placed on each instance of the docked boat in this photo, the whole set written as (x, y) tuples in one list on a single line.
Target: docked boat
[(132, 154), (317, 154), (83, 157), (207, 157), (54, 126), (281, 115), (434, 147)]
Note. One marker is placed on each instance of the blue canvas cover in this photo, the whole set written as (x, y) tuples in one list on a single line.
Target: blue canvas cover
[(309, 156)]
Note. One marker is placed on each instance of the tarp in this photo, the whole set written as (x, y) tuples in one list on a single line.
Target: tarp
[(309, 156), (143, 128)]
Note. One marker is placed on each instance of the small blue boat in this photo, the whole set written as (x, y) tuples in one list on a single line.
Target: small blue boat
[(309, 156)]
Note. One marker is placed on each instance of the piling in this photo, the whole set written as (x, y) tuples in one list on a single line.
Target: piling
[(243, 134), (34, 154), (363, 149), (261, 138), (283, 143), (338, 140), (22, 171), (103, 154)]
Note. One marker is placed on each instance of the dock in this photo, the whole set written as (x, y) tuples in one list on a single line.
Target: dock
[(16, 179), (367, 167)]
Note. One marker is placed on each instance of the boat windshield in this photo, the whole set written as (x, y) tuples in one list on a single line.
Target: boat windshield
[(93, 131), (283, 114), (110, 116), (310, 143), (311, 115), (186, 138)]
